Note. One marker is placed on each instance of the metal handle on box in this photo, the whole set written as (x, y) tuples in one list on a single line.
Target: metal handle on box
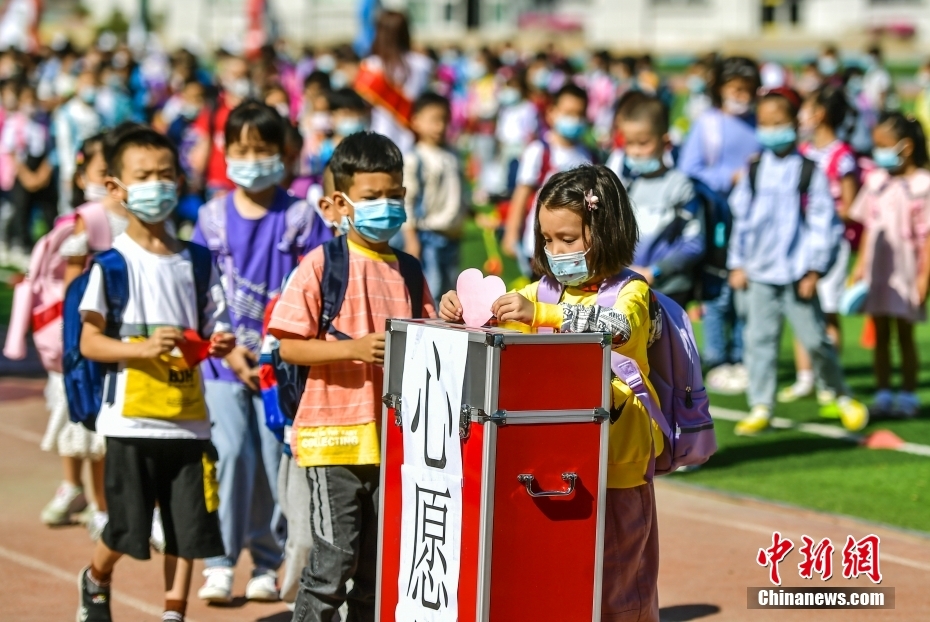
[(527, 480)]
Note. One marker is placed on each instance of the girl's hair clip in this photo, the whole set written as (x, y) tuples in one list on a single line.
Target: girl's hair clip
[(591, 199)]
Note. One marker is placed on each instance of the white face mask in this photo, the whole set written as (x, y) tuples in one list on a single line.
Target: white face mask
[(94, 192), (570, 269), (735, 107)]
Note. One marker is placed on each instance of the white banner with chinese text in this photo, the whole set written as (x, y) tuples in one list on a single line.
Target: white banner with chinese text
[(431, 477)]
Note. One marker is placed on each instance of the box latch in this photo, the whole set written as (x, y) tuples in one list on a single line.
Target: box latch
[(465, 419), (392, 400)]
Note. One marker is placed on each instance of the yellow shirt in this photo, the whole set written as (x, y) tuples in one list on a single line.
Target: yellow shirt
[(634, 434)]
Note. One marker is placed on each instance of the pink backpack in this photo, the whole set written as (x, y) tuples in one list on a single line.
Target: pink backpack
[(38, 298)]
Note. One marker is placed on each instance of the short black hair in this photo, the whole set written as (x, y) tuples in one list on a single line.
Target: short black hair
[(651, 110), (113, 137), (571, 89), (319, 78), (431, 99), (610, 229), (364, 152), (260, 116), (837, 108), (142, 136), (346, 99), (734, 68)]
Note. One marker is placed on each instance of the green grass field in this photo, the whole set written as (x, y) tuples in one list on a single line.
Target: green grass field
[(806, 470)]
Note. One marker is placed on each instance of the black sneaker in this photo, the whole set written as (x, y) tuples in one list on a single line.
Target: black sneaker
[(95, 607)]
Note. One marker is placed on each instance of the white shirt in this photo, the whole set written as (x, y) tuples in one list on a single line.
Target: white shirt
[(161, 293), (516, 127)]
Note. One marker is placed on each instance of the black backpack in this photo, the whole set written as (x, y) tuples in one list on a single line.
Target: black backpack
[(292, 379)]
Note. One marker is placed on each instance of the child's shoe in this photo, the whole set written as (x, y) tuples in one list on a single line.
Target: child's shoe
[(799, 390), (883, 405), (218, 586), (757, 421), (95, 524), (69, 499), (853, 414), (728, 379), (263, 587), (95, 599), (829, 409), (907, 405)]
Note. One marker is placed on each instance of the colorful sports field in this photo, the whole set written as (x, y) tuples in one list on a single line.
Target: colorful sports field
[(803, 469)]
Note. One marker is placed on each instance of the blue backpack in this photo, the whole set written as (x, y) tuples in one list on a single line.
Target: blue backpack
[(282, 403), (84, 378), (683, 408)]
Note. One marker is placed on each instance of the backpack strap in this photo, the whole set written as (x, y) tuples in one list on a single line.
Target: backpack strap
[(550, 291), (96, 225), (212, 222), (333, 285), (115, 274), (412, 272), (546, 164), (804, 183), (202, 266), (753, 173)]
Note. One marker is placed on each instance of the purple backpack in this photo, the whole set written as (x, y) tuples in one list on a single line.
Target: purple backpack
[(683, 411)]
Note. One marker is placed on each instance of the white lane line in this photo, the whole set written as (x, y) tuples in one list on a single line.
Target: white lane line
[(24, 435), (71, 578), (818, 429), (768, 531)]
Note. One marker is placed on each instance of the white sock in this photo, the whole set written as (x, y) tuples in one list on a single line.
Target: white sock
[(805, 378)]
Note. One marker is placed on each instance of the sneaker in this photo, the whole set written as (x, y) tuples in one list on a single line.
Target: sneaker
[(96, 523), (883, 405), (853, 414), (795, 392), (907, 405), (218, 586), (828, 406), (263, 587), (758, 420), (157, 538), (69, 499), (728, 379), (95, 601)]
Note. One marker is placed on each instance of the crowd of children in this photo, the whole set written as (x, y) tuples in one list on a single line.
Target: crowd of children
[(748, 208)]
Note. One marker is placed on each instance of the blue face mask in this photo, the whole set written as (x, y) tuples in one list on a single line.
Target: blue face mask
[(777, 139), (378, 219), (642, 166), (255, 175), (569, 128), (827, 65), (696, 84), (570, 269), (888, 158), (348, 126), (508, 96), (151, 201)]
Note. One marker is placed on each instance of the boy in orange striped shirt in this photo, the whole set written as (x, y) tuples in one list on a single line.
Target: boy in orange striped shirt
[(336, 430)]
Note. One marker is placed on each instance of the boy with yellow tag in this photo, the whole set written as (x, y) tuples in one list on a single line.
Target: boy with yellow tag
[(153, 412), (336, 433)]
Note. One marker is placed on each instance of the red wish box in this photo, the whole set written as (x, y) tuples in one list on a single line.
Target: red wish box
[(493, 479)]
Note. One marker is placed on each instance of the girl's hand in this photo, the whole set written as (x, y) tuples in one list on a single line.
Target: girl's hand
[(450, 309), (513, 308), (222, 344), (244, 363), (738, 279), (923, 287)]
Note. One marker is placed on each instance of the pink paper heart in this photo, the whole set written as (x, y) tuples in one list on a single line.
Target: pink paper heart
[(476, 294)]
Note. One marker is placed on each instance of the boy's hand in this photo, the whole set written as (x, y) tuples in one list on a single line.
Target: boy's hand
[(450, 309), (738, 279), (162, 341), (222, 344), (242, 362), (807, 287), (370, 348), (513, 308)]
